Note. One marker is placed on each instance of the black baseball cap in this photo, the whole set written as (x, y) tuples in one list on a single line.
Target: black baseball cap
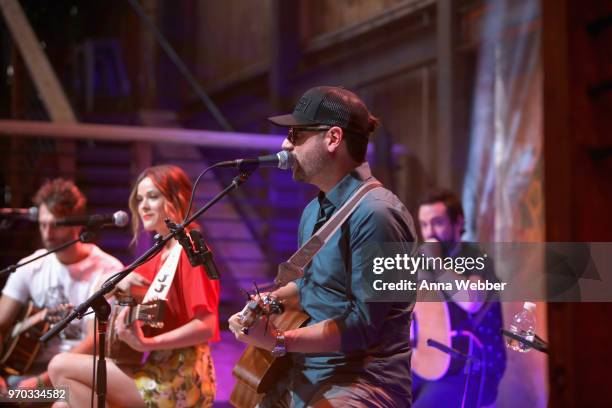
[(331, 106)]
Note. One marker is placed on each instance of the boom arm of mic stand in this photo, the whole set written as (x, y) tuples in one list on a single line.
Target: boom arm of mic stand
[(106, 288), (85, 236), (537, 343)]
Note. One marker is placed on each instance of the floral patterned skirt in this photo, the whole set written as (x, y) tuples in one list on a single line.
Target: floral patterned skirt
[(177, 378)]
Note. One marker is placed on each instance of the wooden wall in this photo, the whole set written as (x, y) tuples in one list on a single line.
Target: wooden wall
[(324, 16), (577, 58), (232, 38), (384, 50)]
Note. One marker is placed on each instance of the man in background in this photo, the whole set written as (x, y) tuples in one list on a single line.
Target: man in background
[(65, 277), (476, 318)]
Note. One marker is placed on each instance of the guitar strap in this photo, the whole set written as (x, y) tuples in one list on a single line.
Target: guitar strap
[(163, 280), (302, 257), (348, 261)]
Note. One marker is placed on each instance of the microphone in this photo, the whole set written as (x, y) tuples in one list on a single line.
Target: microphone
[(30, 214), (196, 250), (118, 219), (283, 160), (204, 254)]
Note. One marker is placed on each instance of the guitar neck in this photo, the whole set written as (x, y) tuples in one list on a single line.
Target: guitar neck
[(148, 314), (28, 323)]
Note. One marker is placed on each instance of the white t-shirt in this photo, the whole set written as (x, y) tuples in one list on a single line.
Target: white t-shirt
[(48, 283)]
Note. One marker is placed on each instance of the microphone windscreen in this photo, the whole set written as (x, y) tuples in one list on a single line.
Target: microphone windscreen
[(285, 160), (121, 218)]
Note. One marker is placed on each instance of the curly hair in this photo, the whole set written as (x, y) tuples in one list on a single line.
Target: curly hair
[(62, 197)]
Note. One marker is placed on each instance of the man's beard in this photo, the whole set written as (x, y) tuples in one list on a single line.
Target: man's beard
[(448, 247), (51, 244), (314, 165)]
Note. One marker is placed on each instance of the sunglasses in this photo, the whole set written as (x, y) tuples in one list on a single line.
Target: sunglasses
[(294, 132)]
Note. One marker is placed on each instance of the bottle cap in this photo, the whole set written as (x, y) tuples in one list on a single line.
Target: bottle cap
[(529, 306)]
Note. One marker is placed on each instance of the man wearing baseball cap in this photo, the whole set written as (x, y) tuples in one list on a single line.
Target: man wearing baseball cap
[(351, 352)]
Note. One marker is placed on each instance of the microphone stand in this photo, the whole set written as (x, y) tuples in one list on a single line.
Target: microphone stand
[(537, 343), (470, 362), (101, 307), (85, 236)]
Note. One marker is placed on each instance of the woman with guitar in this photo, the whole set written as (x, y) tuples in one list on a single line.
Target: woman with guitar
[(177, 369)]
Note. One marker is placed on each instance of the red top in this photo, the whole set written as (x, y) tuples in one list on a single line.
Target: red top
[(191, 294)]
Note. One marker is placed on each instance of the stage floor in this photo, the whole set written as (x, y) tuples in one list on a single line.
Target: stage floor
[(225, 355)]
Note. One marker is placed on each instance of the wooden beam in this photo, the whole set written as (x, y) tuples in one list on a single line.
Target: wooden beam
[(558, 192), (378, 21), (230, 140), (40, 69), (445, 34), (284, 52)]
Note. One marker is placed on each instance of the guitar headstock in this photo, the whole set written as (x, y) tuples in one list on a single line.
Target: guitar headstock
[(258, 306)]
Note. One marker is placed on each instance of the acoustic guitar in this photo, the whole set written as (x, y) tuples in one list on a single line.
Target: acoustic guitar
[(150, 313), (21, 346), (257, 370), (476, 335)]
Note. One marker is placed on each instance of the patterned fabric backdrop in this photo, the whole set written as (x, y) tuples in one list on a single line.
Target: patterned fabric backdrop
[(503, 195)]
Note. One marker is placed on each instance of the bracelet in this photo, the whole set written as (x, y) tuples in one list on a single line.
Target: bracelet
[(280, 348)]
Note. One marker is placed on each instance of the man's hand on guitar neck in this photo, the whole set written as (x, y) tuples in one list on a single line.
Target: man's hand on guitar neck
[(258, 335), (252, 325)]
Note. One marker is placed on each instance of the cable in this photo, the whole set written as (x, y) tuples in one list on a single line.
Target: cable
[(193, 190), (93, 375)]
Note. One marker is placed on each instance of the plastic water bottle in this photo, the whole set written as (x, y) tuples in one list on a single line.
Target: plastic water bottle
[(523, 324)]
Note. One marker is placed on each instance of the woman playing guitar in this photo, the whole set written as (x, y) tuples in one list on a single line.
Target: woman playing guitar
[(179, 369)]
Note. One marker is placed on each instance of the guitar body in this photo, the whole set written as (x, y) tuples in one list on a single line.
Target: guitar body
[(451, 326), (257, 371), (117, 350), (21, 347), (431, 320), (150, 313)]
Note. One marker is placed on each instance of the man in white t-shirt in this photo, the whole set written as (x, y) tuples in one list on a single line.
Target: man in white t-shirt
[(68, 276)]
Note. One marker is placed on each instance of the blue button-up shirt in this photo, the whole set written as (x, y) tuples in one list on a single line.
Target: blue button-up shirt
[(375, 344)]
